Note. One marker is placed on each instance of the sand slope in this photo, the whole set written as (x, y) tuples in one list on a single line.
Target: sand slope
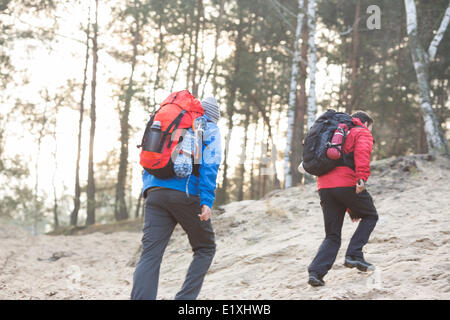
[(263, 248)]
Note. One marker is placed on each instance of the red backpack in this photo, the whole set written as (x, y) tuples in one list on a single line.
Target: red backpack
[(178, 111)]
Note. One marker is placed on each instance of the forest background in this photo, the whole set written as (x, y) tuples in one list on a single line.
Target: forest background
[(80, 78)]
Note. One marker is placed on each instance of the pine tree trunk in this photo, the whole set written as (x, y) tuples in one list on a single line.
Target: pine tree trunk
[(230, 110), (292, 96), (242, 159), (312, 108), (180, 60), (262, 165), (120, 207), (37, 212), (398, 96), (138, 206), (202, 71), (213, 68), (55, 203), (352, 98), (91, 180), (443, 98), (197, 31), (297, 141), (252, 170), (273, 148), (435, 138), (300, 111), (77, 202), (55, 199), (223, 188), (266, 120), (158, 64), (189, 64), (267, 161), (55, 211)]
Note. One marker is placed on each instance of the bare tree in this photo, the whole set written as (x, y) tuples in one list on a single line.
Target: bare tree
[(138, 205), (233, 89), (159, 54), (352, 98), (213, 68), (43, 122), (197, 32), (120, 207), (435, 138), (241, 166), (312, 108), (55, 197), (292, 95), (300, 109), (91, 181), (76, 200)]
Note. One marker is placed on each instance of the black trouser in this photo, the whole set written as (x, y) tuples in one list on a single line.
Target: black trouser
[(334, 202), (164, 208)]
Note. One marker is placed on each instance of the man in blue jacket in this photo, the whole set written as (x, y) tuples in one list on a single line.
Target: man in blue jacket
[(186, 201)]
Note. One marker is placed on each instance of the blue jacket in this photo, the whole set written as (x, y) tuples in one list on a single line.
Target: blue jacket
[(203, 186)]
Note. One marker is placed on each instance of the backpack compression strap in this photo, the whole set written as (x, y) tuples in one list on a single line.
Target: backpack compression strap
[(175, 123)]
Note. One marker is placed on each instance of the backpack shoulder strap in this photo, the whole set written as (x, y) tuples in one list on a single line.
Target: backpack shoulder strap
[(174, 124)]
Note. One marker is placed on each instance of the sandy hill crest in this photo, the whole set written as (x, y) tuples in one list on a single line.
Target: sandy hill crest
[(263, 248)]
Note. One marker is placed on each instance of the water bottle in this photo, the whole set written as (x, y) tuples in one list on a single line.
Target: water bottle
[(200, 126), (334, 151), (153, 139), (183, 163)]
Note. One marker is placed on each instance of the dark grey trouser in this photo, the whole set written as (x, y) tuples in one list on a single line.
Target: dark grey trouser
[(334, 202), (164, 208)]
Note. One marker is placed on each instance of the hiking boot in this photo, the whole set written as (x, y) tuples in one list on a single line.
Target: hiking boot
[(315, 280), (359, 263)]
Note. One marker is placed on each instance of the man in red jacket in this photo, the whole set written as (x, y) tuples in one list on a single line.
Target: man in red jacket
[(344, 189)]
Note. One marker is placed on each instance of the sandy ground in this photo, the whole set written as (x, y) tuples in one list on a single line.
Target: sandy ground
[(263, 248)]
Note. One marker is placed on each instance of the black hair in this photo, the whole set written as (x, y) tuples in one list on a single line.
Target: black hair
[(363, 116)]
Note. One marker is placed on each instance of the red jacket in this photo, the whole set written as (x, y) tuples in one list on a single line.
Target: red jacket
[(360, 141)]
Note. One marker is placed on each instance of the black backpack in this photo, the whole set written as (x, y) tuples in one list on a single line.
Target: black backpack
[(318, 140)]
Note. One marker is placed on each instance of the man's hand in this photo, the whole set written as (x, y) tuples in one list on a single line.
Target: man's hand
[(360, 186), (206, 213)]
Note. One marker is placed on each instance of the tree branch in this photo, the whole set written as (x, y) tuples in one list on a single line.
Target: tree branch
[(439, 35)]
